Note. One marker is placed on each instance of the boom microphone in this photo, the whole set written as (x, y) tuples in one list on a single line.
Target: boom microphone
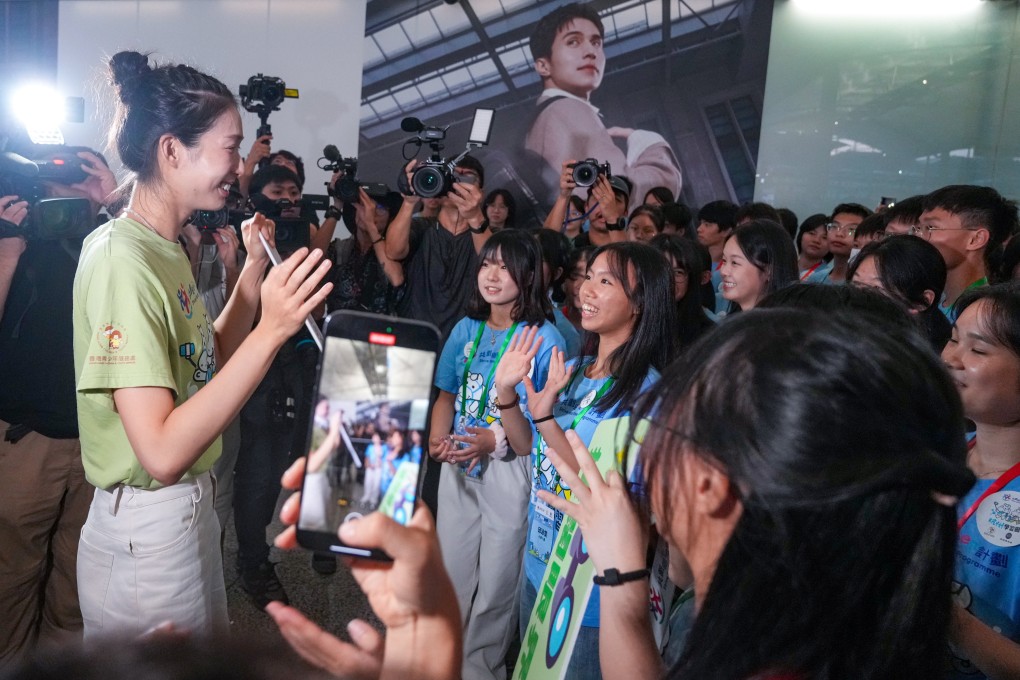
[(331, 153), (411, 125)]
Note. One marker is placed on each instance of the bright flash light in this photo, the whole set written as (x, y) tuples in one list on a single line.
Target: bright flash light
[(884, 9), (41, 110)]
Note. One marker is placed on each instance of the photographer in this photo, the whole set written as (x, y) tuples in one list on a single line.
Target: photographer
[(42, 480), (267, 422), (363, 277), (440, 255), (605, 208)]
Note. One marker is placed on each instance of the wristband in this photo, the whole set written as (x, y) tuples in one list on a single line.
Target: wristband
[(333, 212), (536, 421), (379, 240), (613, 577), (502, 447), (503, 407), (618, 225), (481, 229)]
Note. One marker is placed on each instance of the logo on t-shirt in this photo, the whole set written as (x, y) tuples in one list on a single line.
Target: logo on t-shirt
[(111, 337), (998, 519)]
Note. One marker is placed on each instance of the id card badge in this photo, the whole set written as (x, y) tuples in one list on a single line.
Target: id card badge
[(542, 533)]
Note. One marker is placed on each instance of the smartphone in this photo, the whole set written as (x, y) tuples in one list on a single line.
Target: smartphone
[(276, 259), (367, 434)]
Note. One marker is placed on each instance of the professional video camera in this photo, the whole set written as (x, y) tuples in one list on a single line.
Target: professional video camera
[(291, 231), (435, 176), (346, 188), (47, 218), (587, 172), (262, 95)]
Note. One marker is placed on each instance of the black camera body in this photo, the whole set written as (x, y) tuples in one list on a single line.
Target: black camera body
[(291, 232), (268, 91), (47, 218), (434, 178), (586, 172), (346, 187)]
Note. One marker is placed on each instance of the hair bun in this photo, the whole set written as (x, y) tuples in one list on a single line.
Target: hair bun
[(125, 69)]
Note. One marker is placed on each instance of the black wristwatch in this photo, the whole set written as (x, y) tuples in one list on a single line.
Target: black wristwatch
[(618, 225), (481, 228), (333, 212), (613, 577)]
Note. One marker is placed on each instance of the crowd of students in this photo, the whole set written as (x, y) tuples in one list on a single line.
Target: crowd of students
[(833, 414)]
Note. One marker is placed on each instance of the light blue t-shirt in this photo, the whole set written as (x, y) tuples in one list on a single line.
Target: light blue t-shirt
[(819, 274), (481, 374), (569, 333), (987, 577), (722, 305), (578, 394)]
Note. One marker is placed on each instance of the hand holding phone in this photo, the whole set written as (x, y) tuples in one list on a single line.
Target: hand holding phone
[(378, 373)]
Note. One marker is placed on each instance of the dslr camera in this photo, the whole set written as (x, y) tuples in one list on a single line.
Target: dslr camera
[(435, 176), (291, 231), (262, 95), (47, 218), (586, 172)]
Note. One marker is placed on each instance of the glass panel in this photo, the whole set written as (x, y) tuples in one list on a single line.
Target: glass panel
[(450, 18), (421, 29), (861, 107), (392, 41)]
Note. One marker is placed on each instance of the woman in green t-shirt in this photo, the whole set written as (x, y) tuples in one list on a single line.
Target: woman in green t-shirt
[(157, 381)]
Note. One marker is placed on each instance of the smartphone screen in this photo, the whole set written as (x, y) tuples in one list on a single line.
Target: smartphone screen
[(367, 436)]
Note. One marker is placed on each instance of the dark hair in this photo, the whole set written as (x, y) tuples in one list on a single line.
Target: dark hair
[(788, 219), (722, 213), (691, 320), (907, 211), (872, 224), (293, 158), (978, 207), (707, 289), (851, 209), (555, 248), (523, 260), (472, 163), (549, 26), (841, 560), (768, 247), (662, 194), (652, 342), (166, 99), (907, 267), (758, 211), (272, 174), (653, 213), (1002, 315), (886, 312), (808, 225), (680, 215), (511, 205), (1007, 263), (167, 657), (578, 203)]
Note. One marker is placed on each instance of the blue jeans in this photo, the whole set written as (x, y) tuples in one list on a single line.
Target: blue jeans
[(584, 661)]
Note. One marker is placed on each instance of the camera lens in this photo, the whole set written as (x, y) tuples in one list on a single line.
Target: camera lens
[(428, 182), (585, 174)]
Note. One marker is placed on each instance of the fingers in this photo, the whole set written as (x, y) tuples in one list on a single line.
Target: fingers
[(291, 508), (366, 638), (320, 648), (286, 539), (294, 474), (379, 531), (585, 461), (569, 508), (568, 475)]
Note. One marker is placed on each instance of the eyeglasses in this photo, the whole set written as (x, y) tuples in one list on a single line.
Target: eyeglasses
[(925, 230), (838, 228)]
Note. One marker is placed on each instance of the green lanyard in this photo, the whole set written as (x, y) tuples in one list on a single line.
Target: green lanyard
[(577, 419), (492, 371)]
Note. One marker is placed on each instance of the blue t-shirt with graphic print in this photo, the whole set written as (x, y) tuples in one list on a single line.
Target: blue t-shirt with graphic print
[(453, 361), (579, 393), (987, 577)]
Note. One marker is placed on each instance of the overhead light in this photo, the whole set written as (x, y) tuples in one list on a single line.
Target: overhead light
[(884, 9)]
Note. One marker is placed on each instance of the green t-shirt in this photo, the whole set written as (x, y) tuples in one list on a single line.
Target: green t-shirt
[(138, 322)]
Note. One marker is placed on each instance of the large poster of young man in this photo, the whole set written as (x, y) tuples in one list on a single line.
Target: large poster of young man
[(666, 92)]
